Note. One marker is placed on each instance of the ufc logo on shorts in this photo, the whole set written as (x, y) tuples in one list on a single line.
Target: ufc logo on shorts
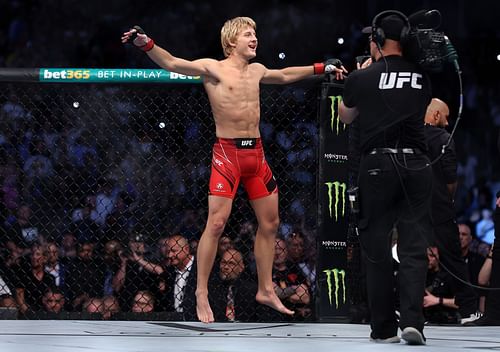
[(399, 79), (246, 143), (218, 162)]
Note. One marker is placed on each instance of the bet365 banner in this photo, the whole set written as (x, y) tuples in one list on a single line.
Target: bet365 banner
[(107, 75), (333, 208)]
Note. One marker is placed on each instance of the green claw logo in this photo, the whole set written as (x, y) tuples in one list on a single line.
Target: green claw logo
[(335, 120), (339, 280), (339, 188)]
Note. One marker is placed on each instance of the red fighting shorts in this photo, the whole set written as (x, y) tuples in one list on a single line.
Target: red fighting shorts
[(240, 159)]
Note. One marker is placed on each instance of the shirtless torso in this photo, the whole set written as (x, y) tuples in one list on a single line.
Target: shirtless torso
[(234, 96)]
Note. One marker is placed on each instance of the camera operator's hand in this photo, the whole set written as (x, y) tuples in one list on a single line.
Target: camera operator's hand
[(363, 62), (138, 37)]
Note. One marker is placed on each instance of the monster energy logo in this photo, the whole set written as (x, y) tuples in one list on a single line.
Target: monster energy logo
[(339, 188), (339, 282), (335, 120)]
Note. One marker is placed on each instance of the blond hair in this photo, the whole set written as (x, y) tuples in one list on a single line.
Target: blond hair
[(230, 31)]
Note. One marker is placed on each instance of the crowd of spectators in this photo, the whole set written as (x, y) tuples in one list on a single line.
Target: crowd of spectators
[(101, 210)]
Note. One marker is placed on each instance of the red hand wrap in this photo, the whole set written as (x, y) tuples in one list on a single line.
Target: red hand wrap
[(148, 46), (319, 68)]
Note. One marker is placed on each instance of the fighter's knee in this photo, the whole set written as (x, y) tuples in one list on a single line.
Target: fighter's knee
[(217, 226), (271, 225)]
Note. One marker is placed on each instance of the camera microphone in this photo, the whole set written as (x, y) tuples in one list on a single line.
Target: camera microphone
[(451, 53)]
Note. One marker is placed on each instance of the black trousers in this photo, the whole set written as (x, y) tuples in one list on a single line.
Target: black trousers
[(391, 195), (447, 239)]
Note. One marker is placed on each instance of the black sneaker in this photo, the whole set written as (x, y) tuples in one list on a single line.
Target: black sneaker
[(412, 336), (470, 319), (483, 321)]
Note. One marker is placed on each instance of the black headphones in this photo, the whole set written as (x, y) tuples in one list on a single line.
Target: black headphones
[(378, 35)]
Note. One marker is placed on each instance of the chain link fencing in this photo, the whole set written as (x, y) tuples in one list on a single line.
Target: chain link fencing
[(104, 198)]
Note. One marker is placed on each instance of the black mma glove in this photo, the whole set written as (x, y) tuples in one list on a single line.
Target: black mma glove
[(327, 67), (149, 42)]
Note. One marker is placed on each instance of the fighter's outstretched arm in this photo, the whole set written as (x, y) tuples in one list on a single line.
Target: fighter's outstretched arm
[(296, 73), (164, 59)]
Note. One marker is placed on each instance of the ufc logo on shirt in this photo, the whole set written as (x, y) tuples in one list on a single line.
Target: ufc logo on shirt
[(399, 79)]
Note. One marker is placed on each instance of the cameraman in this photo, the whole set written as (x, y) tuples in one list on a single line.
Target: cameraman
[(390, 95)]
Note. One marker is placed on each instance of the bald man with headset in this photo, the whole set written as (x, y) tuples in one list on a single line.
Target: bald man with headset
[(389, 95)]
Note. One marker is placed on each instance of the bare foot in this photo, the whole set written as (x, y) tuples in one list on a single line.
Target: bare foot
[(203, 309), (271, 300)]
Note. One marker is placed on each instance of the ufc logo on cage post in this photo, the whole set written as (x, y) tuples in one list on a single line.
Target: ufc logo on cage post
[(335, 119), (335, 286), (336, 190), (398, 80)]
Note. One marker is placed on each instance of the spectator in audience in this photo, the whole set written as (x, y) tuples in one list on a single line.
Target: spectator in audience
[(180, 279), (131, 275), (439, 300), (38, 165), (111, 306), (104, 202), (112, 260), (485, 226), (491, 315), (78, 285), (483, 278), (84, 226), (10, 184), (474, 260), (93, 305), (6, 299), (144, 302), (485, 272), (68, 246), (54, 266), (120, 221), (23, 232), (290, 285), (31, 281), (190, 226), (163, 251), (232, 295), (225, 243), (53, 300), (297, 259)]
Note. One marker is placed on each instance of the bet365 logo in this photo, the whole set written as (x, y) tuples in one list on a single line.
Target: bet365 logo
[(335, 280), (335, 120), (336, 198)]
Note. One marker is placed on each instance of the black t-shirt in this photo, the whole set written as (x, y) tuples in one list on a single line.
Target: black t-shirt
[(391, 96), (440, 284), (34, 289), (444, 172)]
